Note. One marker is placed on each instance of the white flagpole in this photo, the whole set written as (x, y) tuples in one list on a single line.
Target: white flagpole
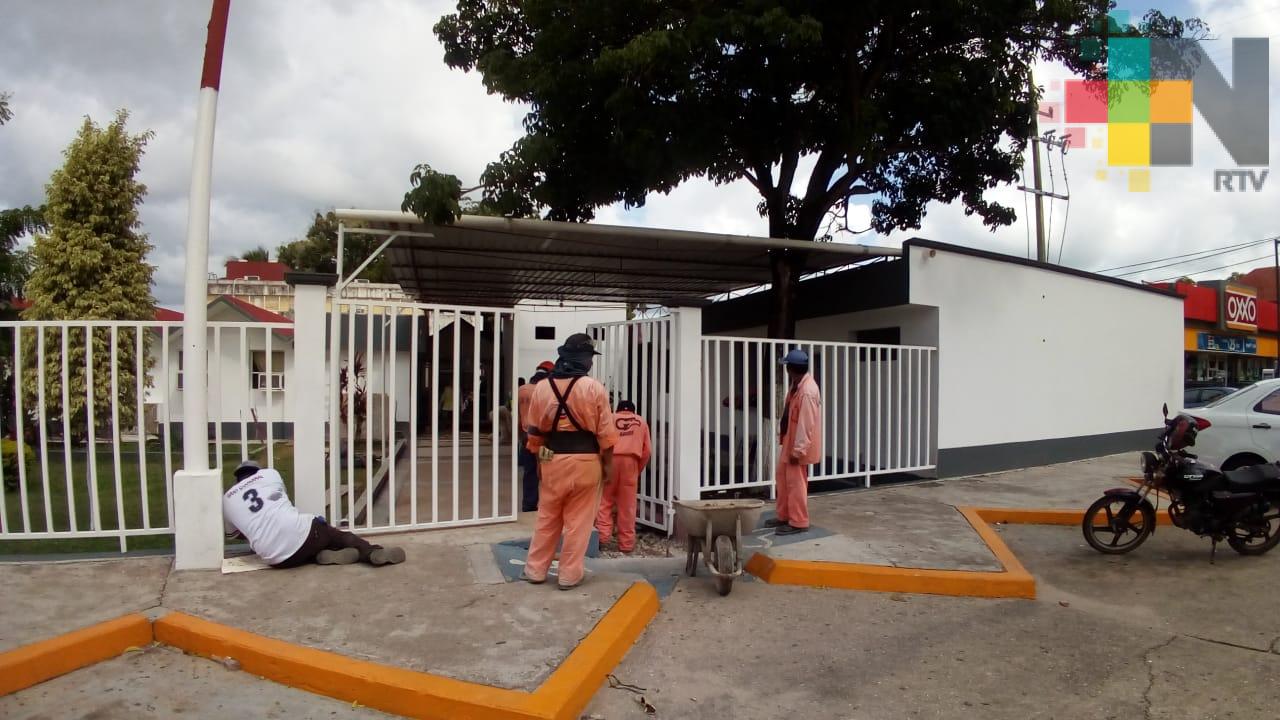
[(197, 488)]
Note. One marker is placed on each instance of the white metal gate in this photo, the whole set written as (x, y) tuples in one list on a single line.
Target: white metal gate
[(878, 403), (421, 423), (635, 365)]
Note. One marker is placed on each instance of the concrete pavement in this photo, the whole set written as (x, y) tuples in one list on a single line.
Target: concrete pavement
[(1159, 633)]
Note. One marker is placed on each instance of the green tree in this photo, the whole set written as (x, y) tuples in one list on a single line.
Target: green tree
[(91, 265), (5, 113), (15, 262), (815, 104), (318, 249), (258, 254)]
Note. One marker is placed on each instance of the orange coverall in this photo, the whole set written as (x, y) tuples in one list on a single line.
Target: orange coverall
[(630, 456), (801, 447), (570, 489)]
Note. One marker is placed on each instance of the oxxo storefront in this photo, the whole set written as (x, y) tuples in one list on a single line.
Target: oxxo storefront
[(1229, 334)]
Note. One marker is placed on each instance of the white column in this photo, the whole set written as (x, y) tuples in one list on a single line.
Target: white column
[(308, 388), (687, 402)]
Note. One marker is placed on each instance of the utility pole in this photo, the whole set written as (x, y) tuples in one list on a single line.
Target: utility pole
[(1042, 243), (1042, 247)]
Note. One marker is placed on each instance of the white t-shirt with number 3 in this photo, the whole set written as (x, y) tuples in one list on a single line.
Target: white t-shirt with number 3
[(259, 508)]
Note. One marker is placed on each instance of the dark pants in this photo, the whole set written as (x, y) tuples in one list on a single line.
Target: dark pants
[(529, 480), (326, 537)]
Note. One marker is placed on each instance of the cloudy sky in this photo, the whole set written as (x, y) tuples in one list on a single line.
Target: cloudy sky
[(327, 103)]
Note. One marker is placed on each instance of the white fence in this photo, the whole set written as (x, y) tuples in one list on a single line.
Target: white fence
[(878, 411), (431, 444), (635, 365), (91, 415)]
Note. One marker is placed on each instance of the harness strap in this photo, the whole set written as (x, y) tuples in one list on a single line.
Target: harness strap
[(563, 407)]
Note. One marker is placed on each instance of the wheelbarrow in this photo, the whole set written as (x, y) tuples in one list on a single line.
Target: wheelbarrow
[(714, 529)]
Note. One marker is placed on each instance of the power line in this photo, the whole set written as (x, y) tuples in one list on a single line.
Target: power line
[(1212, 251), (1220, 267)]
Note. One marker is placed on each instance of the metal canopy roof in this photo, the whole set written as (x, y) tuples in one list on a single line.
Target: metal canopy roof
[(499, 261)]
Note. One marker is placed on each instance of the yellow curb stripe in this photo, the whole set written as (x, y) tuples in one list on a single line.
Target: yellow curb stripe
[(1033, 516), (883, 578), (391, 689), (47, 659), (566, 693)]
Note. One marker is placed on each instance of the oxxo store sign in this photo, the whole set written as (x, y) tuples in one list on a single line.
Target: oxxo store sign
[(1239, 308)]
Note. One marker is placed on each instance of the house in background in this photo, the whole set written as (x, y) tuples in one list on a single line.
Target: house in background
[(262, 284), (249, 367)]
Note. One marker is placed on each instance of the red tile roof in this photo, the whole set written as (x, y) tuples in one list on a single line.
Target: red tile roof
[(240, 269), (162, 314), (256, 314)]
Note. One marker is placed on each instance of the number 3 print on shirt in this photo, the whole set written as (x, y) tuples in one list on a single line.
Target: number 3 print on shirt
[(251, 496)]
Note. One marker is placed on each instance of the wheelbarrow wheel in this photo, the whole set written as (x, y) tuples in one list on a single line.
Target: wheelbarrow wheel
[(691, 557), (726, 562)]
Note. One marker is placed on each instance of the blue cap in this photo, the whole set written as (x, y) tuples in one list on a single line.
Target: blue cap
[(795, 357)]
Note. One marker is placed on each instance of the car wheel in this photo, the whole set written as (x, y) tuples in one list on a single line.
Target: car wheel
[(1235, 462)]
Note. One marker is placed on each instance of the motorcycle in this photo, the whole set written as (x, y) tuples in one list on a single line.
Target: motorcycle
[(1239, 506)]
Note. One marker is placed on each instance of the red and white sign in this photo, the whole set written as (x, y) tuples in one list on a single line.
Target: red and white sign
[(1240, 308)]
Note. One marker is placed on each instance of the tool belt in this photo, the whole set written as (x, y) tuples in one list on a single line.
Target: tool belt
[(573, 443)]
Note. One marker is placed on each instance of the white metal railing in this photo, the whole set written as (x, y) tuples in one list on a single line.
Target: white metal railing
[(424, 447), (878, 409), (90, 415), (635, 365)]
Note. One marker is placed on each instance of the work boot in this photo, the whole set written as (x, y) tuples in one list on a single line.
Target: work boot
[(774, 522), (530, 580), (789, 530), (386, 556), (345, 556)]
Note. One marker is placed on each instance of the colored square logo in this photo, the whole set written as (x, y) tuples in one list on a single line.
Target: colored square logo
[(1128, 144), (1128, 59), (1086, 101), (1128, 101), (1076, 137), (1140, 180), (1171, 101), (1171, 144)]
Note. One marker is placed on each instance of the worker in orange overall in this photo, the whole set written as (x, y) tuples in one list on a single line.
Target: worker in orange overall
[(801, 439), (630, 456), (529, 462), (571, 431)]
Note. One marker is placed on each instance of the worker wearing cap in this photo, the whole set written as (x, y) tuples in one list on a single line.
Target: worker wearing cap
[(630, 456), (257, 507), (529, 462), (571, 430), (800, 435)]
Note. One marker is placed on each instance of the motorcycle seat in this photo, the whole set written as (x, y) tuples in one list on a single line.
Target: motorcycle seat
[(1253, 478)]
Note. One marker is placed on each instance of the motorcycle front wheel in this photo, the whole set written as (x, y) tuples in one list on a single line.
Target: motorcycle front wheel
[(1109, 529), (1258, 538)]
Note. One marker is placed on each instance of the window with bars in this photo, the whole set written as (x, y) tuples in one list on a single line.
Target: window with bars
[(261, 379)]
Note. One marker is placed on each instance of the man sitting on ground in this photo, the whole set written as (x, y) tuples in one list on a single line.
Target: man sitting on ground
[(257, 507)]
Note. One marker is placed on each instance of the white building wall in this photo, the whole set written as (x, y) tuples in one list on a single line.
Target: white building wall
[(565, 320), (231, 395), (1030, 354)]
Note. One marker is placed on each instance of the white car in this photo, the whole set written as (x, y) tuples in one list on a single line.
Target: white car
[(1244, 427)]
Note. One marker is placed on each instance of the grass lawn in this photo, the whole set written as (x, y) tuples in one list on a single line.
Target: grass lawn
[(131, 493)]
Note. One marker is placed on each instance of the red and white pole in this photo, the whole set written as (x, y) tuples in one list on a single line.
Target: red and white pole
[(197, 488)]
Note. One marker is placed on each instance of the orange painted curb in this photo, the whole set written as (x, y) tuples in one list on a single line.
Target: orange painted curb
[(1031, 516), (566, 693), (47, 659), (421, 695), (1012, 582)]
